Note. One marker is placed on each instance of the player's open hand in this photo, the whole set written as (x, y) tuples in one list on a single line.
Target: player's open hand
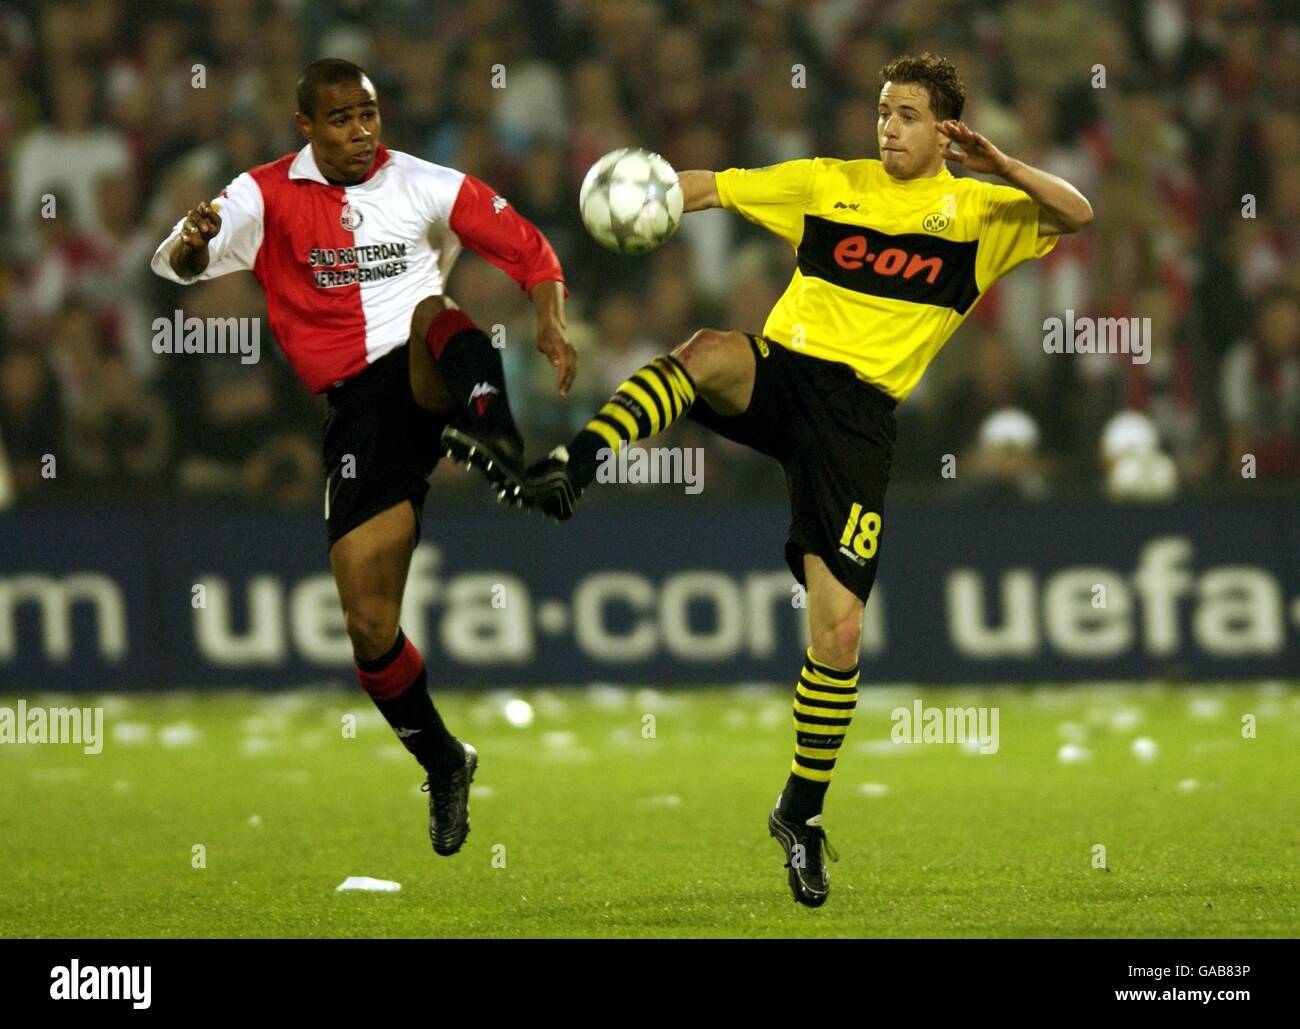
[(551, 341), (200, 225), (977, 153)]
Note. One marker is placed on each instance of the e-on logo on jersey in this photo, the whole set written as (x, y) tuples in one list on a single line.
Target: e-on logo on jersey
[(853, 252), (351, 217), (905, 266)]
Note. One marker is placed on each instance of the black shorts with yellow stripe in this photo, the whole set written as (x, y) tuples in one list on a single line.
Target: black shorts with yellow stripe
[(834, 436)]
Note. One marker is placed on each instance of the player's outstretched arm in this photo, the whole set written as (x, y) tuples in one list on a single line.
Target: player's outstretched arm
[(699, 190), (494, 230), (1063, 208), (548, 298), (205, 244)]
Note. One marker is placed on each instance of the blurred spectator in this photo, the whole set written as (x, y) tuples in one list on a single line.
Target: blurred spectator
[(1260, 390), (530, 107), (118, 433), (1053, 45), (670, 308), (64, 254), (1133, 465), (710, 235), (624, 344), (20, 110), (239, 445), (117, 281), (1005, 466), (599, 124), (974, 376), (29, 418), (66, 158), (551, 203)]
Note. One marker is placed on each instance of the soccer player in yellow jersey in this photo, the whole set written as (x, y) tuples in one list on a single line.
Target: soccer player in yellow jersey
[(891, 255)]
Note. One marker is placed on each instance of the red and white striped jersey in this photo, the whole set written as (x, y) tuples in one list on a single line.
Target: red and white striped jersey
[(343, 267)]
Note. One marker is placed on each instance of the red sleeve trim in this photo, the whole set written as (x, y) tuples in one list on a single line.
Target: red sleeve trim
[(490, 227)]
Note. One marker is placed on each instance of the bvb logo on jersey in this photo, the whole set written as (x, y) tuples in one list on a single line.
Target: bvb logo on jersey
[(935, 222), (350, 218)]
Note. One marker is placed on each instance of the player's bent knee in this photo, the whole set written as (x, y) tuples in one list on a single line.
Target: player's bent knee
[(701, 348), (426, 311), (707, 355), (838, 642), (371, 628)]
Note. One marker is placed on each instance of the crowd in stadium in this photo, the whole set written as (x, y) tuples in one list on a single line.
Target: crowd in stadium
[(1179, 121)]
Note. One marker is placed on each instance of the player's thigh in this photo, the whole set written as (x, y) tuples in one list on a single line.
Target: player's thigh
[(721, 364), (769, 421), (427, 384), (370, 565), (834, 615)]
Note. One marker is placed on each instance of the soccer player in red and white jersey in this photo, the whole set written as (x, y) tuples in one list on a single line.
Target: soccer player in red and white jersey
[(352, 244)]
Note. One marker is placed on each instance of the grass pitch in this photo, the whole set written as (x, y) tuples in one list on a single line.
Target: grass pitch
[(583, 826)]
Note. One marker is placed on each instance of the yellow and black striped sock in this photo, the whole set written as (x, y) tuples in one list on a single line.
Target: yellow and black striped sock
[(648, 402), (824, 699)]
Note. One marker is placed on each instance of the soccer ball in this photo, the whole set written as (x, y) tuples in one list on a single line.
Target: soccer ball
[(631, 201)]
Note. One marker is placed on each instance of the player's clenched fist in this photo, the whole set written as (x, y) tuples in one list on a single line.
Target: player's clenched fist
[(200, 225), (189, 256)]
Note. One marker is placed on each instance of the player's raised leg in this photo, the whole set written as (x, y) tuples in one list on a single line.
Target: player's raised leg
[(370, 566), (428, 384), (826, 694), (451, 357), (715, 365)]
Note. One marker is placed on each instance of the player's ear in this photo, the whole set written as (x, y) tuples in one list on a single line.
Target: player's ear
[(304, 125)]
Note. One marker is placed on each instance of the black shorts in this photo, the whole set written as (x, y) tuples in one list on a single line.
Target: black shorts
[(834, 435), (380, 446)]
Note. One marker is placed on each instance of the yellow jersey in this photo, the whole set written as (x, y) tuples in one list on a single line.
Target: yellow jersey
[(886, 269)]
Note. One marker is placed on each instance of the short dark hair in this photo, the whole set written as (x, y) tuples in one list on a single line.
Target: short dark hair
[(328, 71), (937, 74)]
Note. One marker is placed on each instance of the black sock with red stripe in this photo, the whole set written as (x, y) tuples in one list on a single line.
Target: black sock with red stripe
[(397, 684), (471, 366)]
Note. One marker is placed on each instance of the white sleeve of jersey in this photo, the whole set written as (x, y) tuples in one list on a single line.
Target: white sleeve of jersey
[(234, 248)]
